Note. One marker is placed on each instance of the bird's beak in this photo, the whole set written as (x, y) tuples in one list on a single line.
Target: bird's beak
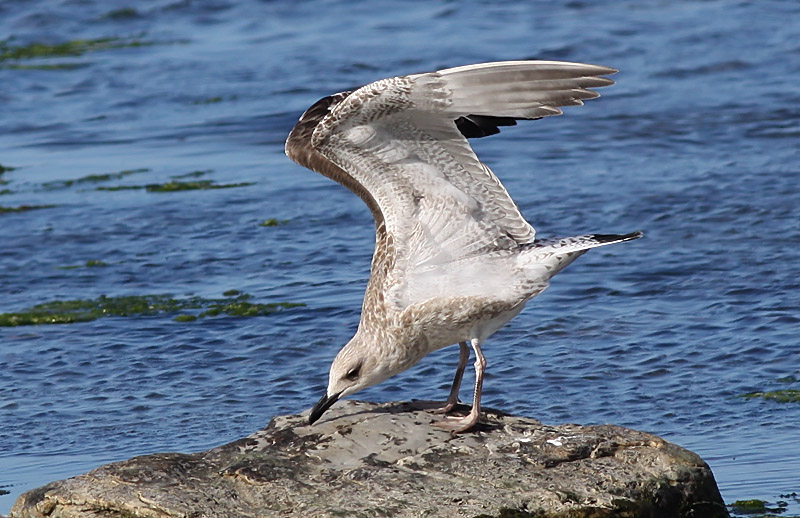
[(322, 405)]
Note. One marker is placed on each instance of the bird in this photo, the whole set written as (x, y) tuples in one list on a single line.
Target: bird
[(454, 258)]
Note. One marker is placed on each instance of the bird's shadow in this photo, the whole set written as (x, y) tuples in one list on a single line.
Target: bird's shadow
[(486, 424)]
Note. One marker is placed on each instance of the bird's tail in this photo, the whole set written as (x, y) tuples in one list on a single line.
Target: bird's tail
[(553, 255), (578, 243)]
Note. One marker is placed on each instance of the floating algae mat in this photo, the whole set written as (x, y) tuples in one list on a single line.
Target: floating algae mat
[(192, 174), (781, 396), (66, 48), (3, 169), (9, 52), (274, 222), (176, 183), (92, 263), (24, 208), (191, 186), (788, 395), (93, 178), (173, 186), (188, 309), (757, 508)]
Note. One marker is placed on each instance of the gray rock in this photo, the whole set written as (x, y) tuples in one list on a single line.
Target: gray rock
[(365, 459)]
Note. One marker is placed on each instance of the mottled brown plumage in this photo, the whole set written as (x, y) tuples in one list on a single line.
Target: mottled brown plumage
[(454, 258)]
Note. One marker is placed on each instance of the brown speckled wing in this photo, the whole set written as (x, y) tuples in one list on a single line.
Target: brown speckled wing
[(400, 144), (299, 149)]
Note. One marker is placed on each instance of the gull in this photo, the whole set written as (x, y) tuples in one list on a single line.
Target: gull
[(454, 258)]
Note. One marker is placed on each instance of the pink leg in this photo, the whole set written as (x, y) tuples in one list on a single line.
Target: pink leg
[(462, 424), (452, 399)]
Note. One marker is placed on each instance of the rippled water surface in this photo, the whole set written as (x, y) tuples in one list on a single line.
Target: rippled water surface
[(698, 145)]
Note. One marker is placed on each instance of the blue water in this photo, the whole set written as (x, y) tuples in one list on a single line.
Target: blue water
[(697, 144)]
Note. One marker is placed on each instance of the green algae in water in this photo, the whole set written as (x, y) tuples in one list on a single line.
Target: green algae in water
[(193, 174), (122, 188), (756, 508), (72, 311), (125, 13), (749, 506), (93, 178), (210, 100), (5, 191), (46, 66), (5, 168), (215, 99), (781, 396), (242, 308), (71, 48), (23, 208), (93, 263), (174, 186), (273, 222), (788, 395)]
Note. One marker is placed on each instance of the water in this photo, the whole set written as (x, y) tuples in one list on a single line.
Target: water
[(697, 145)]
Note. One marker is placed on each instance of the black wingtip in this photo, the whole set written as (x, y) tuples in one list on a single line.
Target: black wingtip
[(477, 126), (633, 235), (617, 238)]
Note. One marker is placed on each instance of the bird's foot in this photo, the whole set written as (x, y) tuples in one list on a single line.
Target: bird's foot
[(444, 409), (458, 424)]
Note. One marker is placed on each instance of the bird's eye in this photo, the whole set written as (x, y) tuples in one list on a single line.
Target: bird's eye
[(353, 373)]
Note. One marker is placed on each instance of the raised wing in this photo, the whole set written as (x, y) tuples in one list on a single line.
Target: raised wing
[(401, 145)]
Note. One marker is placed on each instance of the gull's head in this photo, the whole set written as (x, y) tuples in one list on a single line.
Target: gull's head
[(356, 367)]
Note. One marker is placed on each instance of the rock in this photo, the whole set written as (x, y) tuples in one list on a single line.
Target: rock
[(366, 459)]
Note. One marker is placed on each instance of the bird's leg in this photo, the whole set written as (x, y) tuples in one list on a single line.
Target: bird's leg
[(452, 399), (462, 424)]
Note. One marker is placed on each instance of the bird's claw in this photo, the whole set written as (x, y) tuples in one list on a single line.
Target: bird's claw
[(458, 424), (445, 409)]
